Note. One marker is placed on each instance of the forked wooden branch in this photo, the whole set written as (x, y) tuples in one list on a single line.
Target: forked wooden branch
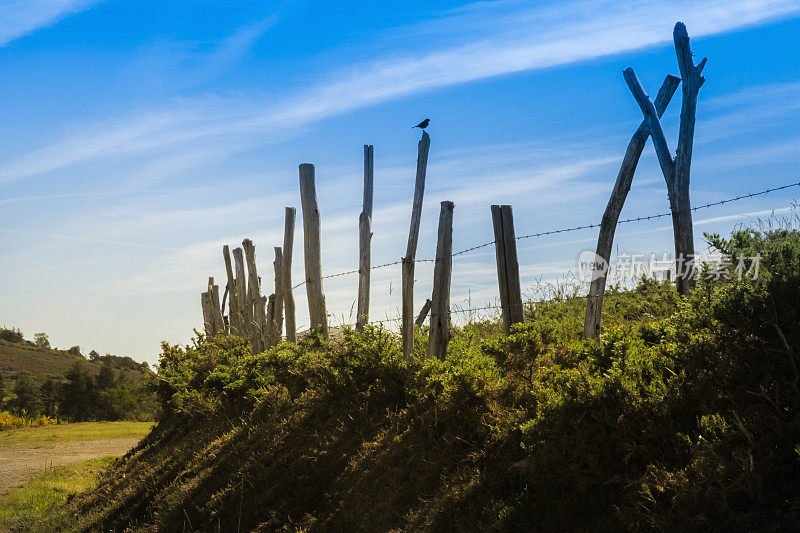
[(608, 226), (648, 108)]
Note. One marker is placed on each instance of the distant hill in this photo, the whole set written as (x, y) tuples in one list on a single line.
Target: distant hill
[(36, 379), (42, 363)]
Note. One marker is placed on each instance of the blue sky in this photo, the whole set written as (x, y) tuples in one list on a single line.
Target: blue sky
[(138, 137)]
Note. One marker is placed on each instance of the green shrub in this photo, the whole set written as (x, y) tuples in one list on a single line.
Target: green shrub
[(684, 414)]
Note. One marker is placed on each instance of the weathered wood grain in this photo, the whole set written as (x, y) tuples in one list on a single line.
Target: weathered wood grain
[(253, 283), (423, 313), (676, 171), (286, 278), (440, 300), (407, 327), (245, 306), (608, 225), (365, 241), (507, 266), (276, 315), (233, 305), (312, 250)]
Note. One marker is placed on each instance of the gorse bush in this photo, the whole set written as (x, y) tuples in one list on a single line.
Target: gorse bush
[(10, 421), (685, 414)]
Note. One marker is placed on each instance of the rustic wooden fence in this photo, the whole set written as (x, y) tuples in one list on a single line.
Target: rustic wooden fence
[(261, 319)]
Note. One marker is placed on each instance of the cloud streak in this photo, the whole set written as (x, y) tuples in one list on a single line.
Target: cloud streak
[(226, 126), (22, 17)]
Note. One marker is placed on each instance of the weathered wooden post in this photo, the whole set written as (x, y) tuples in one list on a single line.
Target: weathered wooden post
[(411, 249), (208, 321), (608, 226), (286, 276), (245, 306), (233, 305), (212, 313), (440, 301), (364, 240), (505, 245), (253, 286), (312, 250), (259, 329), (676, 171), (216, 315), (276, 317), (423, 313)]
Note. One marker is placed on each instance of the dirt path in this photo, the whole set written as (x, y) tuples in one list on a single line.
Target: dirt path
[(20, 460)]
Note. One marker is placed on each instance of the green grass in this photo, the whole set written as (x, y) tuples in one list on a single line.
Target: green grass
[(39, 504), (73, 432)]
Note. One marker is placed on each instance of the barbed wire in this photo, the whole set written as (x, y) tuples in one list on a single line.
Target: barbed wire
[(662, 215), (456, 310), (565, 230)]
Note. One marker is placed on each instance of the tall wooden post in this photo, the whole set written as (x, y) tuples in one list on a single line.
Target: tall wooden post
[(312, 250), (259, 329), (505, 245), (608, 226), (440, 301), (411, 249), (253, 286), (676, 171), (286, 277), (364, 240), (233, 305), (276, 317), (245, 306)]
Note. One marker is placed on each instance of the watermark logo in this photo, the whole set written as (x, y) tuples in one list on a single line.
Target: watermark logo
[(631, 267), (591, 266)]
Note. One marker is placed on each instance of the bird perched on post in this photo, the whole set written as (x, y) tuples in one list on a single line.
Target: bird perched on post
[(422, 125)]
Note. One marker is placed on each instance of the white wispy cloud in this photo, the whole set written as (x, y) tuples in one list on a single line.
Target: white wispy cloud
[(508, 37), (21, 17)]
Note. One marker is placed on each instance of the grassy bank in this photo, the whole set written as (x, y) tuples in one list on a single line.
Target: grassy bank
[(684, 415), (39, 504)]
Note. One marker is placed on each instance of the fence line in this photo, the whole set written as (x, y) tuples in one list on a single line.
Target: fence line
[(568, 229)]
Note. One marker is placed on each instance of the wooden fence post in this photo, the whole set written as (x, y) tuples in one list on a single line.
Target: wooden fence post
[(676, 171), (608, 225), (253, 288), (440, 301), (286, 277), (276, 317), (312, 250), (364, 240), (505, 245), (212, 314), (216, 311), (259, 329), (208, 322), (245, 307), (233, 305), (411, 249)]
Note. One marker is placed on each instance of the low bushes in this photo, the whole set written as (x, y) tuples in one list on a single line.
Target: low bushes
[(684, 414)]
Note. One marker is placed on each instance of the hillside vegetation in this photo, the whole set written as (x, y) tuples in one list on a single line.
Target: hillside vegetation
[(38, 382), (685, 415)]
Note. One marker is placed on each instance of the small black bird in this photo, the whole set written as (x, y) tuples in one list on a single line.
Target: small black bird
[(422, 125)]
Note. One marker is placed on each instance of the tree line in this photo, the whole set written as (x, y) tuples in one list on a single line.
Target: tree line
[(121, 389)]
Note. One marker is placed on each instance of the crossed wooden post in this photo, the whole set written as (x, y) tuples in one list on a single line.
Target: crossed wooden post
[(676, 172)]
